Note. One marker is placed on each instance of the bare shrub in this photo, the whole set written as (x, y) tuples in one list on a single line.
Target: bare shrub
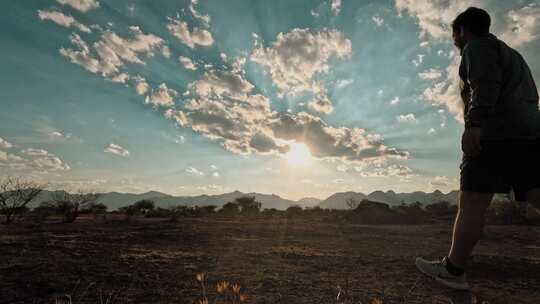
[(15, 194), (71, 204)]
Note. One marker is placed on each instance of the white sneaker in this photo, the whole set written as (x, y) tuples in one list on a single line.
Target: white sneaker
[(437, 271)]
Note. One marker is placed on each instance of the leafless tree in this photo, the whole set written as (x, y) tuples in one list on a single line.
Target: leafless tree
[(351, 203), (70, 204), (15, 194)]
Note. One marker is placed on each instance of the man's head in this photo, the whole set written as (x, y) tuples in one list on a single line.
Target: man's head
[(469, 24)]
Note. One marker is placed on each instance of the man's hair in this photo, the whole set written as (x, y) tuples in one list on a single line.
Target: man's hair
[(474, 19)]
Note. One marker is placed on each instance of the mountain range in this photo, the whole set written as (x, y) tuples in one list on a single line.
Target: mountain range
[(115, 200)]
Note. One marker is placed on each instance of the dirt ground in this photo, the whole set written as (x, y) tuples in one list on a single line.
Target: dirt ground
[(274, 260)]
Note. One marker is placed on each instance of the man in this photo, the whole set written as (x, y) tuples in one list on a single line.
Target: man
[(501, 141)]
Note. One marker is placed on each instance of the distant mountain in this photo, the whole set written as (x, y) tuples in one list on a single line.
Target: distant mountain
[(309, 201), (339, 200), (115, 200)]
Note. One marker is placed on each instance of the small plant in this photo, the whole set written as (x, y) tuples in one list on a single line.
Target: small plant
[(226, 293)]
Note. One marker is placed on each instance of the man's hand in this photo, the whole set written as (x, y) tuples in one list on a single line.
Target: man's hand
[(470, 141)]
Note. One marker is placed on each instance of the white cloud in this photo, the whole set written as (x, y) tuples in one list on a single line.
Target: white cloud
[(419, 59), (187, 63), (406, 118), (343, 83), (44, 160), (63, 20), (204, 18), (394, 101), (393, 170), (120, 78), (336, 6), (297, 56), (445, 91), (211, 187), (166, 51), (81, 5), (379, 21), (193, 38), (433, 16), (194, 171), (163, 96), (111, 52), (431, 131), (430, 74), (523, 25), (180, 139), (215, 174), (213, 167), (141, 86), (440, 181), (221, 106), (5, 144), (117, 150), (321, 103)]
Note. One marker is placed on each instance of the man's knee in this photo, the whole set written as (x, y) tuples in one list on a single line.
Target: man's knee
[(474, 201)]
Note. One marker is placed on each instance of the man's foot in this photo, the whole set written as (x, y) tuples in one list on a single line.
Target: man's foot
[(437, 271)]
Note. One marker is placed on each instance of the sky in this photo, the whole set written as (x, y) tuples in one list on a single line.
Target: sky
[(296, 98)]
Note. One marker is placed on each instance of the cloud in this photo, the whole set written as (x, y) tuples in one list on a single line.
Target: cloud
[(111, 52), (440, 181), (194, 171), (430, 74), (297, 56), (187, 63), (5, 144), (44, 160), (163, 96), (80, 5), (141, 86), (419, 59), (523, 25), (406, 118), (213, 167), (393, 170), (445, 91), (321, 104), (431, 131), (211, 187), (57, 134), (222, 106), (340, 84), (433, 16), (215, 174), (63, 20), (117, 150), (379, 21), (336, 6), (394, 101), (196, 37), (204, 18)]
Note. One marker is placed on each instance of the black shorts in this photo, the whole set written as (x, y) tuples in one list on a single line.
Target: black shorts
[(501, 166)]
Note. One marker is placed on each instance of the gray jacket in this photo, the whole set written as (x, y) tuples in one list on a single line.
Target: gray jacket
[(498, 91)]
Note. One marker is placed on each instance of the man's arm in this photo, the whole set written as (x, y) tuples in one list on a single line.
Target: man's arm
[(484, 77)]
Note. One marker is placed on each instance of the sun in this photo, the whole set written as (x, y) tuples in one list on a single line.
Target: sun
[(299, 155)]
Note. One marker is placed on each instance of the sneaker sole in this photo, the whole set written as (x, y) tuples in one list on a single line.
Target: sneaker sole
[(443, 281)]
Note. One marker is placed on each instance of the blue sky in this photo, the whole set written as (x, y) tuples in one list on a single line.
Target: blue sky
[(192, 97)]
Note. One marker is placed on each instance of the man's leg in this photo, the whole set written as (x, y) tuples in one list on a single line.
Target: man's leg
[(533, 197), (468, 226)]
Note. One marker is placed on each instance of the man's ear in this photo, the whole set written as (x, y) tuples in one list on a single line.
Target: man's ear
[(461, 32)]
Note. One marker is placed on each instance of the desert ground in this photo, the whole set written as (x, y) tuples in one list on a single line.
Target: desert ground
[(274, 260)]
